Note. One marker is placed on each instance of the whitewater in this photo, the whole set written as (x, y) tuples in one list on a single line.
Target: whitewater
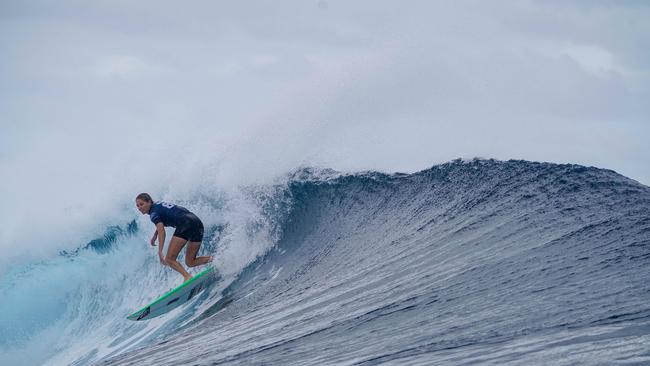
[(469, 262)]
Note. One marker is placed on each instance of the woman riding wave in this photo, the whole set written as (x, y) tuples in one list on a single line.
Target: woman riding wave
[(189, 228)]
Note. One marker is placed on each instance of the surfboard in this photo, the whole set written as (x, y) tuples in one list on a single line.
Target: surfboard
[(175, 297)]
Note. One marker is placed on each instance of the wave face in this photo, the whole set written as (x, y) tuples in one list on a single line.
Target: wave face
[(467, 262)]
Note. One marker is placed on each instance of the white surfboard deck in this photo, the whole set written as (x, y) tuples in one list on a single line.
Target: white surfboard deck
[(175, 297)]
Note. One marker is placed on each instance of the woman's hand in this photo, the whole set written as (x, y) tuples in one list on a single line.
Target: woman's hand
[(153, 238)]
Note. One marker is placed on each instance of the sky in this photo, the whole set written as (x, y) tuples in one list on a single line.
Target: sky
[(101, 100)]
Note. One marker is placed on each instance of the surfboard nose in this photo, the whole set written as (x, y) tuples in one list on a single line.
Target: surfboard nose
[(176, 296)]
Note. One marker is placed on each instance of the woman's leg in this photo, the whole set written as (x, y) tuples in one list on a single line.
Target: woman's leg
[(190, 255), (175, 246)]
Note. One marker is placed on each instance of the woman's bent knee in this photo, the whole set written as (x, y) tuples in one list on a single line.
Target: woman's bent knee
[(170, 258)]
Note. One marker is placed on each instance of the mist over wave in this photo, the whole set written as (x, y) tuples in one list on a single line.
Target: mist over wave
[(469, 261), (98, 104)]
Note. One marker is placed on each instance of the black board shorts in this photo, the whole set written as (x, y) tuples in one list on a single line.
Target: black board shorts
[(190, 228)]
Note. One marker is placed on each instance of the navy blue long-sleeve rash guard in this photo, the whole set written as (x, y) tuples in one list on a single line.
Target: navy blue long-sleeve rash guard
[(167, 213)]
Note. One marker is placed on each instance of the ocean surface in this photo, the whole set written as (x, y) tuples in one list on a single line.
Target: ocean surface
[(476, 262)]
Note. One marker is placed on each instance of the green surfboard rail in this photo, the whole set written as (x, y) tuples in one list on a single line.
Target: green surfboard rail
[(173, 291)]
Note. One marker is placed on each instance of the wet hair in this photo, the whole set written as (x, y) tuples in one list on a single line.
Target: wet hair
[(145, 197)]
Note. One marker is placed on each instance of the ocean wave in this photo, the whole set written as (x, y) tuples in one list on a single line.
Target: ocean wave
[(470, 261)]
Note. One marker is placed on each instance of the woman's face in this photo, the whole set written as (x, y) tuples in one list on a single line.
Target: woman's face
[(143, 206)]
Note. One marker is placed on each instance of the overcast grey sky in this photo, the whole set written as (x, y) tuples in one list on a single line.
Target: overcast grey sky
[(102, 99)]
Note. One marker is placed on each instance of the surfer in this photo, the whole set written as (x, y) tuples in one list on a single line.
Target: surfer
[(189, 230)]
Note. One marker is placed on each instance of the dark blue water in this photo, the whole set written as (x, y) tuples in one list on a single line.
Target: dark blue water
[(480, 262)]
